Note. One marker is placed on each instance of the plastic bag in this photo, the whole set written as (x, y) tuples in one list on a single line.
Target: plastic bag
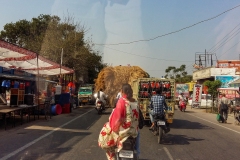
[(218, 117)]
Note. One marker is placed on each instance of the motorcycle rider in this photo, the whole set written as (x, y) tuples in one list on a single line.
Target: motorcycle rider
[(181, 98), (100, 95), (157, 106)]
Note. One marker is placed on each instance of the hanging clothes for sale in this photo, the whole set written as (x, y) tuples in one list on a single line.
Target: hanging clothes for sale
[(4, 83), (8, 84), (21, 85), (16, 84)]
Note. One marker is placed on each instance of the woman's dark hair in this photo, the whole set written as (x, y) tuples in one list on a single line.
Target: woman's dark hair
[(127, 89)]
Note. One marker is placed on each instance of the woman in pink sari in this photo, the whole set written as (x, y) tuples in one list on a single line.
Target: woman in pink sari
[(124, 119)]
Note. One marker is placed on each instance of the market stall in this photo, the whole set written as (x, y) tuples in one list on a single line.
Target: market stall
[(22, 75)]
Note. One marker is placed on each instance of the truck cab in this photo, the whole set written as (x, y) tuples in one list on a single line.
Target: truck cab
[(85, 95)]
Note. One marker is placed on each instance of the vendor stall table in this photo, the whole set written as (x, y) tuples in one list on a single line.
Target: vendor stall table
[(6, 110)]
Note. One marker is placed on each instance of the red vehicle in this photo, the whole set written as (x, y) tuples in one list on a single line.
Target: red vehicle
[(182, 105)]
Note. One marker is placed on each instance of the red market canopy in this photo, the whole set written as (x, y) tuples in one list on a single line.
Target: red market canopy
[(15, 57)]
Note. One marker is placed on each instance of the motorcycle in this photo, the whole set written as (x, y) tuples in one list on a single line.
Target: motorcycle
[(160, 127), (236, 113), (128, 151), (99, 106), (182, 105)]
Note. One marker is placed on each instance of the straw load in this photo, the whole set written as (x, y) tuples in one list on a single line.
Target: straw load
[(110, 79)]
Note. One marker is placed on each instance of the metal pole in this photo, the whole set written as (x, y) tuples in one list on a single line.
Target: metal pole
[(37, 79), (205, 58), (61, 67)]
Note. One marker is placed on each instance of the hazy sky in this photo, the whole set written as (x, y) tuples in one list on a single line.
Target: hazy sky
[(119, 21)]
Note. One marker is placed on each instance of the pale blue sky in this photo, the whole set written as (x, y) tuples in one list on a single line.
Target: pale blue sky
[(119, 21)]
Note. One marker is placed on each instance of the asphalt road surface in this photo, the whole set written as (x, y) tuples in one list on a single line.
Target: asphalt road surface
[(194, 135)]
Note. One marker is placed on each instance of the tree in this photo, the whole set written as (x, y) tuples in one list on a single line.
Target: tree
[(48, 35), (179, 74), (212, 88)]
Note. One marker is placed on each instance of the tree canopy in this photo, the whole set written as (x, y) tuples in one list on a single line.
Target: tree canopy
[(48, 35), (179, 74), (213, 86)]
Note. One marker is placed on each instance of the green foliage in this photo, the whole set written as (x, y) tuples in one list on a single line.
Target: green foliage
[(48, 35), (213, 86), (179, 74)]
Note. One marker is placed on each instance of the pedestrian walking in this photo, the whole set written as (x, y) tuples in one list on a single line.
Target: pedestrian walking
[(223, 105)]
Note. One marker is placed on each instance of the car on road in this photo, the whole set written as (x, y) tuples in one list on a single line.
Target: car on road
[(206, 101)]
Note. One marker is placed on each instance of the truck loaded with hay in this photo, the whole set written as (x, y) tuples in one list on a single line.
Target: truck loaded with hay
[(110, 79)]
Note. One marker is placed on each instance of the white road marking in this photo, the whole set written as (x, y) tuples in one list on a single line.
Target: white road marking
[(168, 153), (214, 123), (39, 138)]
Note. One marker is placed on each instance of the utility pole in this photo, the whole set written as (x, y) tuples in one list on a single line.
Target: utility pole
[(205, 58)]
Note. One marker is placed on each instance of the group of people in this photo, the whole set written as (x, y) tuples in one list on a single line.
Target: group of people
[(124, 119)]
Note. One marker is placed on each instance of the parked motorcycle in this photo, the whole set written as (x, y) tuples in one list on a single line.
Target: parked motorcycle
[(161, 127), (183, 106), (128, 151), (236, 113), (99, 106)]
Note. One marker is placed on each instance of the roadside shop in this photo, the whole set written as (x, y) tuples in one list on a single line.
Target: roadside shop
[(24, 83)]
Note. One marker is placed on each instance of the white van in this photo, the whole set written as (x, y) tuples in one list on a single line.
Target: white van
[(206, 101)]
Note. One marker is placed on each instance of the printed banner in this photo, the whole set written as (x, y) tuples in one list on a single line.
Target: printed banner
[(226, 80), (182, 88), (197, 95)]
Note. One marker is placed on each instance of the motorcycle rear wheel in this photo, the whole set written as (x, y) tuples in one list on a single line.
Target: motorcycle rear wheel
[(99, 111), (160, 135)]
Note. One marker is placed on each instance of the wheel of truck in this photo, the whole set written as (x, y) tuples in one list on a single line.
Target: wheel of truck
[(160, 135)]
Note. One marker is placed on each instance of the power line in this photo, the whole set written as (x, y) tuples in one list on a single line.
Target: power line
[(223, 38), (147, 56), (173, 31), (227, 40), (229, 49)]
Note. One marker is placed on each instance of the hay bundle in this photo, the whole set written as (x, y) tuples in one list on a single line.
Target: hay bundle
[(110, 79)]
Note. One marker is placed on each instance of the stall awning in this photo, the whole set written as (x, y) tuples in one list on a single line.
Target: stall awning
[(15, 57)]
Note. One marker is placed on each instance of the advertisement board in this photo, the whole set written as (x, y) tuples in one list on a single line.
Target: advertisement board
[(226, 80), (201, 74), (230, 93), (182, 88), (229, 64), (197, 95), (223, 71)]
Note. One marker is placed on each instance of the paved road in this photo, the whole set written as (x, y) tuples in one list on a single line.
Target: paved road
[(194, 135)]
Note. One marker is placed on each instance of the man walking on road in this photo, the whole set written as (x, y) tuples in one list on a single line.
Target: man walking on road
[(223, 105)]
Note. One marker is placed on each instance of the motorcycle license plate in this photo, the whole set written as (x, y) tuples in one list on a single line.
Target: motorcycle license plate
[(84, 100), (161, 123), (126, 154)]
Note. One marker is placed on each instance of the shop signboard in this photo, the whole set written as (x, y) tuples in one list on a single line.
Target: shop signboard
[(222, 71), (201, 74), (182, 88), (226, 80), (229, 64), (197, 95), (230, 93)]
